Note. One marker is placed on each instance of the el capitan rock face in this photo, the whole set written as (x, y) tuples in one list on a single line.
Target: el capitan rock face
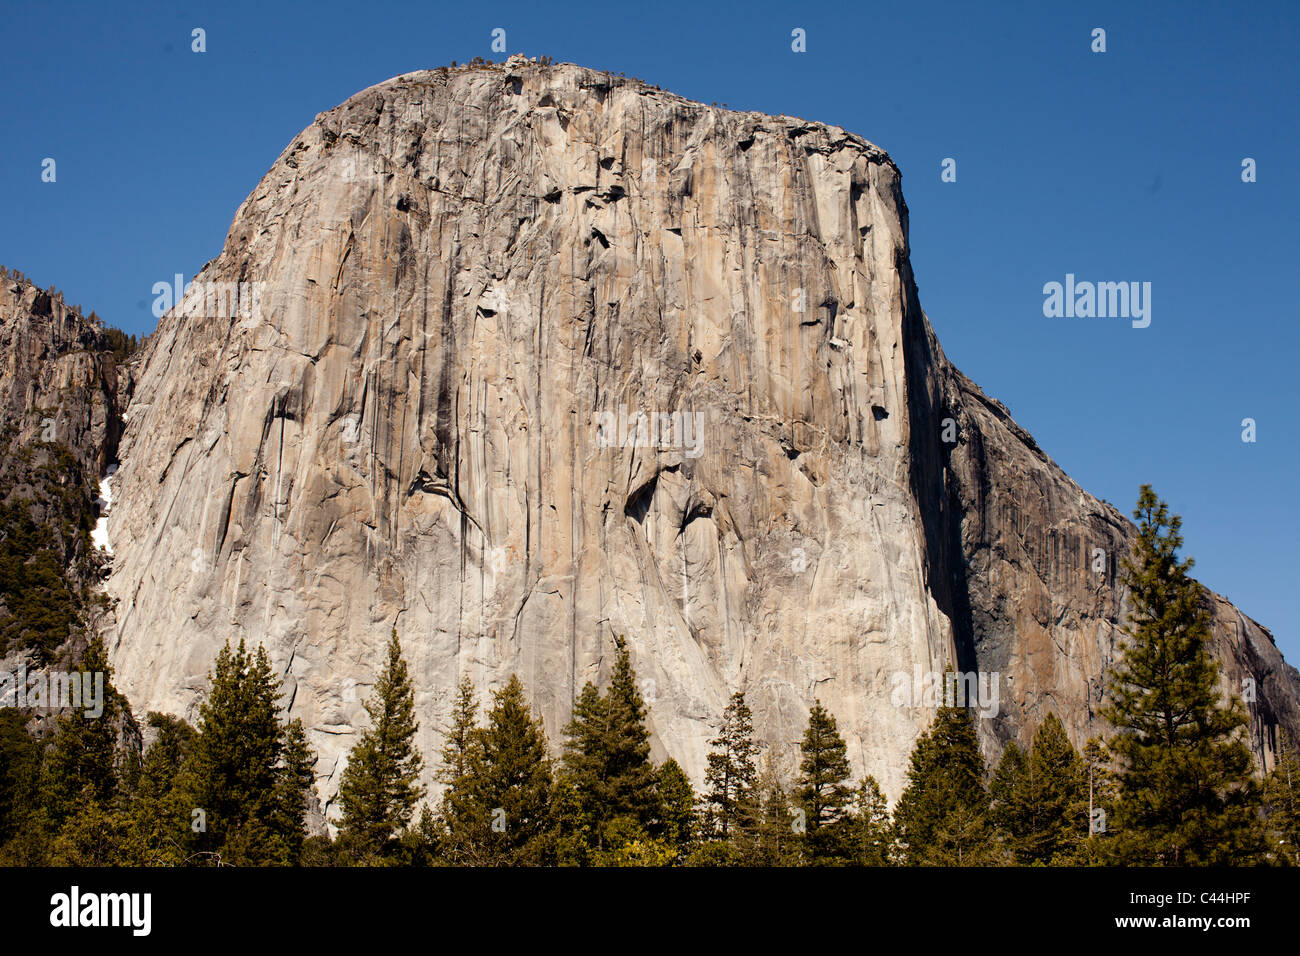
[(461, 277)]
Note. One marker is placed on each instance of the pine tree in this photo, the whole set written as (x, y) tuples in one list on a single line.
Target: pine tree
[(82, 763), (942, 817), (583, 797), (1009, 804), (607, 771), (423, 843), (776, 843), (1040, 799), (86, 774), (1282, 802), (20, 760), (295, 776), (575, 841), (380, 787), (731, 775), (676, 824), (510, 780), (159, 819), (460, 749), (631, 776), (234, 784), (464, 820), (821, 789), (1186, 791), (871, 831)]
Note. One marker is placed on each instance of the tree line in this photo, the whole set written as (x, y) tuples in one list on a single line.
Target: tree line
[(1173, 785)]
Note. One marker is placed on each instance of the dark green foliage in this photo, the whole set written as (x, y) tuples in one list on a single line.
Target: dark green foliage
[(730, 798), (510, 782), (77, 791), (19, 764), (160, 819), (676, 825), (776, 843), (1282, 802), (46, 560), (85, 796), (629, 776), (1186, 791), (81, 765), (871, 833), (941, 819), (606, 762), (122, 346), (464, 819), (1040, 799), (86, 770), (584, 768), (293, 784), (380, 786), (821, 790), (248, 770), (1101, 801)]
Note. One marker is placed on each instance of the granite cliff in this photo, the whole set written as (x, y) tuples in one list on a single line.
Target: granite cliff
[(516, 359), (61, 391)]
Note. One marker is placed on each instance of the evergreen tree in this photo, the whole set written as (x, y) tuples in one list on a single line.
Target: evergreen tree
[(159, 819), (295, 776), (380, 785), (1282, 802), (942, 817), (510, 779), (872, 832), (1040, 800), (1186, 791), (85, 775), (776, 843), (94, 834), (20, 760), (234, 785), (731, 775), (582, 797), (465, 821), (423, 843), (82, 762), (461, 748), (575, 840), (630, 777), (606, 762), (821, 789), (628, 844), (676, 825), (1008, 800)]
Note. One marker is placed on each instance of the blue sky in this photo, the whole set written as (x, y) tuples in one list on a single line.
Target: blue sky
[(1115, 166)]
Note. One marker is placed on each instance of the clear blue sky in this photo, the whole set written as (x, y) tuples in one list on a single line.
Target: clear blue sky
[(1122, 166)]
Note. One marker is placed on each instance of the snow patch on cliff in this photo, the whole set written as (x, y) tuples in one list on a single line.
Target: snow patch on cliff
[(99, 534)]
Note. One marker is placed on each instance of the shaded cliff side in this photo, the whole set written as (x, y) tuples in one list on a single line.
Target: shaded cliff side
[(59, 428)]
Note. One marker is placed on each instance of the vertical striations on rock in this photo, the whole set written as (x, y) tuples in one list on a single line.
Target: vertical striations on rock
[(465, 285)]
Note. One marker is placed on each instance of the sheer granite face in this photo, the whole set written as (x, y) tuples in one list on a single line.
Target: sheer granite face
[(541, 356)]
